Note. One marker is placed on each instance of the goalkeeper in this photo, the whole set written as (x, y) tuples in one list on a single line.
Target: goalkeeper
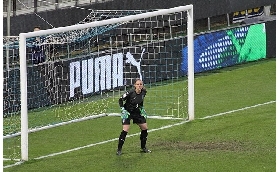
[(133, 109)]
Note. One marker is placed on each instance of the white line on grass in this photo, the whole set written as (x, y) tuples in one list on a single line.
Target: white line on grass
[(151, 130), (248, 107), (107, 141)]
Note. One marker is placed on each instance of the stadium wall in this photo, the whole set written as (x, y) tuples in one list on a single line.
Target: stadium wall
[(271, 38), (71, 16), (110, 70)]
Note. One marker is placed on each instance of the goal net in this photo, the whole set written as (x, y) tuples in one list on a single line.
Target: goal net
[(79, 72)]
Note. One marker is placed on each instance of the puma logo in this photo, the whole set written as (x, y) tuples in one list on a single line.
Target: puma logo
[(130, 59)]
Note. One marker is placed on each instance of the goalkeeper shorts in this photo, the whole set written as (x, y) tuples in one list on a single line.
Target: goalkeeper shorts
[(137, 119)]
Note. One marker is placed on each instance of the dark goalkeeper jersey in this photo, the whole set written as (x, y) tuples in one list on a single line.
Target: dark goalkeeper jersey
[(133, 101)]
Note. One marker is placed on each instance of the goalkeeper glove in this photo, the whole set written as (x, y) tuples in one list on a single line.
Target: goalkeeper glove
[(124, 114), (143, 112)]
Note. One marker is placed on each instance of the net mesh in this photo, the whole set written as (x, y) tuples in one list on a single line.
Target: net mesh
[(84, 72)]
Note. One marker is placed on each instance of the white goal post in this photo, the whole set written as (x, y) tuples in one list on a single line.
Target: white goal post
[(23, 63)]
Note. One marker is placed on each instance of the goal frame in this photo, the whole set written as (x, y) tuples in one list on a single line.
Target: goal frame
[(23, 65)]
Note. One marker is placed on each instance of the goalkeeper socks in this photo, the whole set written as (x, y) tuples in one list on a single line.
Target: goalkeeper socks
[(122, 139), (143, 138)]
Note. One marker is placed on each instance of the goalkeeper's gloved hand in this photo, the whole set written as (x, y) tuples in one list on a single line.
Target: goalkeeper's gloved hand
[(124, 114), (143, 112)]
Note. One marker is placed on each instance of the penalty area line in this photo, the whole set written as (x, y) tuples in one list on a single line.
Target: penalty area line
[(236, 110), (150, 130), (107, 141)]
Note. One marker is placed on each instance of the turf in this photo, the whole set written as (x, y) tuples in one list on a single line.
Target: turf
[(244, 140)]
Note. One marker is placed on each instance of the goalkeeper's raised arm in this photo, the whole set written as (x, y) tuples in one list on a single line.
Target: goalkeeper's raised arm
[(132, 108)]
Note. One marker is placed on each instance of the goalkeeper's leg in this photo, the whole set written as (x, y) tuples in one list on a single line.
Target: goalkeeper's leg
[(143, 137), (122, 138), (121, 142)]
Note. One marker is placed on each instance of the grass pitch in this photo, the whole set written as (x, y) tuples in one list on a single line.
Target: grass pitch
[(243, 139)]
